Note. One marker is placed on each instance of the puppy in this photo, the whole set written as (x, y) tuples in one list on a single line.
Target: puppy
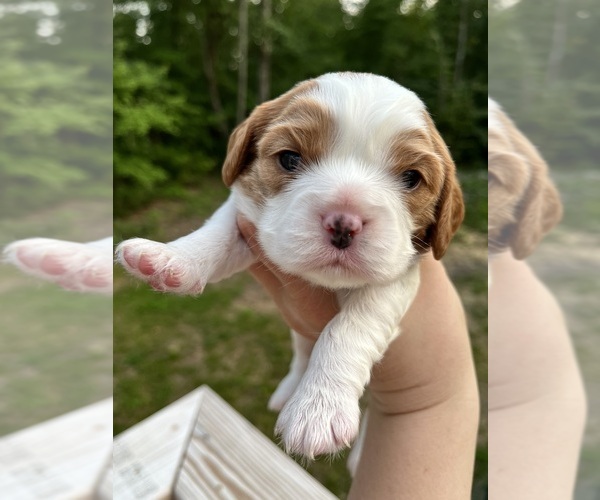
[(348, 182), (83, 267), (523, 202)]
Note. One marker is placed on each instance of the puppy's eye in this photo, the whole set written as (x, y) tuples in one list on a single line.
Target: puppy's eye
[(289, 160), (411, 179)]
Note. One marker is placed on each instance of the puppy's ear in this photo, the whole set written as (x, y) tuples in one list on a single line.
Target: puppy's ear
[(241, 149), (450, 209), (540, 208)]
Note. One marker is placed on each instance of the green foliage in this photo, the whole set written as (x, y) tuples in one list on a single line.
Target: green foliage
[(176, 84), (145, 106), (548, 82), (55, 114)]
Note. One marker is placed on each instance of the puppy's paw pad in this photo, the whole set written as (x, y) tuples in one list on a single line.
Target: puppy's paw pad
[(316, 426), (164, 268), (284, 391), (74, 266)]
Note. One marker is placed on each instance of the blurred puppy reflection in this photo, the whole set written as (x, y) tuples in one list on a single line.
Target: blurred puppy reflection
[(82, 267), (537, 403), (524, 204)]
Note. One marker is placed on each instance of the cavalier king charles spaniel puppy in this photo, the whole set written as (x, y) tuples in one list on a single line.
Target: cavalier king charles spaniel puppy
[(348, 183)]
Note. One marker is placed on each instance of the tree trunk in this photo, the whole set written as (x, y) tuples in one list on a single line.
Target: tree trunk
[(208, 65), (264, 74), (461, 44), (559, 38), (243, 61)]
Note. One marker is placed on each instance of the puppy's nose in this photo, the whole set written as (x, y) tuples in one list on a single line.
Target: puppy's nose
[(342, 227)]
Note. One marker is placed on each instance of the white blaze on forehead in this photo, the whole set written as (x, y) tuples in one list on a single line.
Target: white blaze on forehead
[(494, 110), (369, 111)]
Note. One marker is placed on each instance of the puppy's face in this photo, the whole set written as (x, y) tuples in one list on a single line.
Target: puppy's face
[(523, 203), (346, 179)]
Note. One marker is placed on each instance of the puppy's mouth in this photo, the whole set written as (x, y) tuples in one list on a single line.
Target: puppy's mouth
[(335, 266)]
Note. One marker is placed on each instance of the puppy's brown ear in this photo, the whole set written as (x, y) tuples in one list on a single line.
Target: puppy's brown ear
[(241, 149), (450, 210), (540, 208)]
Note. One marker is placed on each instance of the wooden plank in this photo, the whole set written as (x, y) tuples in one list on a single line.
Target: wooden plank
[(104, 488), (147, 457), (57, 459), (228, 458)]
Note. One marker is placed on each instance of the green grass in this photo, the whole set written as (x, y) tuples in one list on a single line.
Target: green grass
[(56, 352), (579, 193), (232, 337), (474, 188)]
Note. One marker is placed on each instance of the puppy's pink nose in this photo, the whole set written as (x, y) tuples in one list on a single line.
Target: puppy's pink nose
[(342, 227)]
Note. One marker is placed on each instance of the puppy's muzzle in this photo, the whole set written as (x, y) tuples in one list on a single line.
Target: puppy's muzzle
[(343, 228)]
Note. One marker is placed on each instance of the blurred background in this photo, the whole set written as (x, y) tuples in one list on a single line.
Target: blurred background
[(55, 182), (543, 70), (185, 73)]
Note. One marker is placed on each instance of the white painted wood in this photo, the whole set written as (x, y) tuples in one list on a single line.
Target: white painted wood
[(61, 458), (147, 456), (198, 448), (104, 488), (228, 458)]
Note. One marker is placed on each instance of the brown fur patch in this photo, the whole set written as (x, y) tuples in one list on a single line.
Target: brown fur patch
[(436, 203), (413, 150), (304, 127), (242, 147), (523, 202)]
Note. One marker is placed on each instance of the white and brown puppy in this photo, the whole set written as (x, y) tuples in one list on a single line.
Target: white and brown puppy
[(347, 181), (523, 202)]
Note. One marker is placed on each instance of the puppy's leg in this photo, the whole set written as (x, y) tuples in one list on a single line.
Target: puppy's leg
[(302, 347), (84, 267), (186, 265), (322, 416)]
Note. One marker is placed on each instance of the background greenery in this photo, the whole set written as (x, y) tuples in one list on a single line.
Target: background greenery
[(176, 69), (543, 70), (55, 181), (55, 108), (176, 75)]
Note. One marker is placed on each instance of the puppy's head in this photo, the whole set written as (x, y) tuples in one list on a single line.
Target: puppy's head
[(347, 180), (523, 203)]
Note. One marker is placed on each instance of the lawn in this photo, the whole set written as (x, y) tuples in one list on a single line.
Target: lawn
[(56, 351), (232, 337)]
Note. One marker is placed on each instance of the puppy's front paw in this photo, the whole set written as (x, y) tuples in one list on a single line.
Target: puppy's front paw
[(313, 423), (162, 267)]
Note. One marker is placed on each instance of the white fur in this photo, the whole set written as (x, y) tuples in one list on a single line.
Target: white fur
[(83, 267), (375, 279), (493, 114), (494, 123)]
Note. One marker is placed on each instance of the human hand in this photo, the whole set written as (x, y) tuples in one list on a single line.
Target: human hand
[(423, 392), (536, 397)]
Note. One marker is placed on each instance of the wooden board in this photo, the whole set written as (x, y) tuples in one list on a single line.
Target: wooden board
[(62, 458), (228, 458), (147, 456), (199, 447)]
